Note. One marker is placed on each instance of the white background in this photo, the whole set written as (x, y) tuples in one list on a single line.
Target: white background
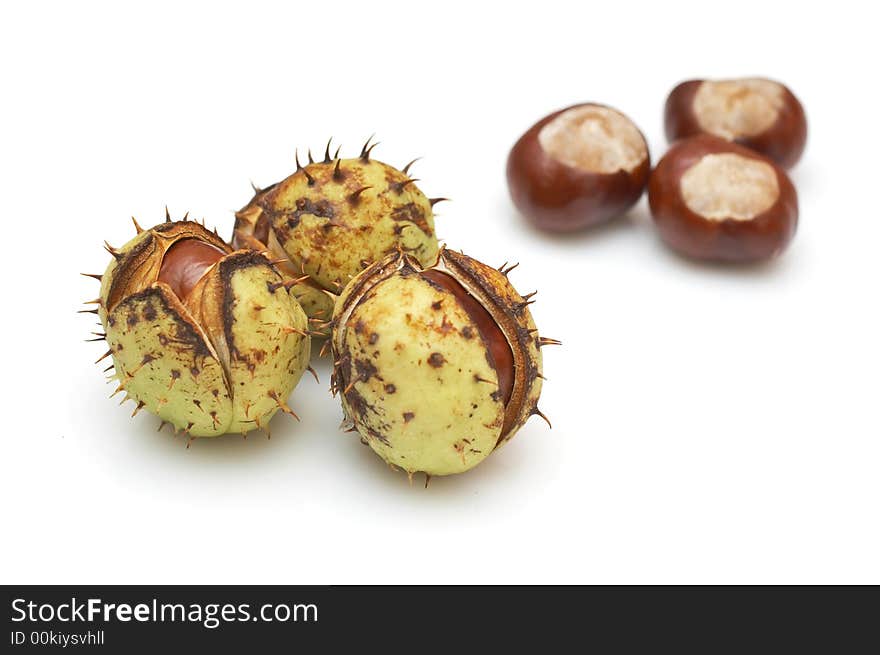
[(710, 424)]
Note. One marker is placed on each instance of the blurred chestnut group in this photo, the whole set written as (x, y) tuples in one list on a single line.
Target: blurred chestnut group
[(720, 193)]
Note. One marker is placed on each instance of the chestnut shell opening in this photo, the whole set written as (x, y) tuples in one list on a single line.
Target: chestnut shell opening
[(185, 263), (261, 228), (499, 351)]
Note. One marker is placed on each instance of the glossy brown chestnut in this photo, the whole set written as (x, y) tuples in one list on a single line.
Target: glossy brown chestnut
[(578, 167), (717, 200), (185, 263), (758, 113)]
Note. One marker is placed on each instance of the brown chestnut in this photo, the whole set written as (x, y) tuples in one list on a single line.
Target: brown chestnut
[(185, 263), (758, 113), (578, 167), (717, 200)]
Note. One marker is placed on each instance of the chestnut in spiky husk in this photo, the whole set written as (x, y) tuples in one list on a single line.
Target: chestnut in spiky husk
[(331, 217), (206, 338), (436, 365)]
